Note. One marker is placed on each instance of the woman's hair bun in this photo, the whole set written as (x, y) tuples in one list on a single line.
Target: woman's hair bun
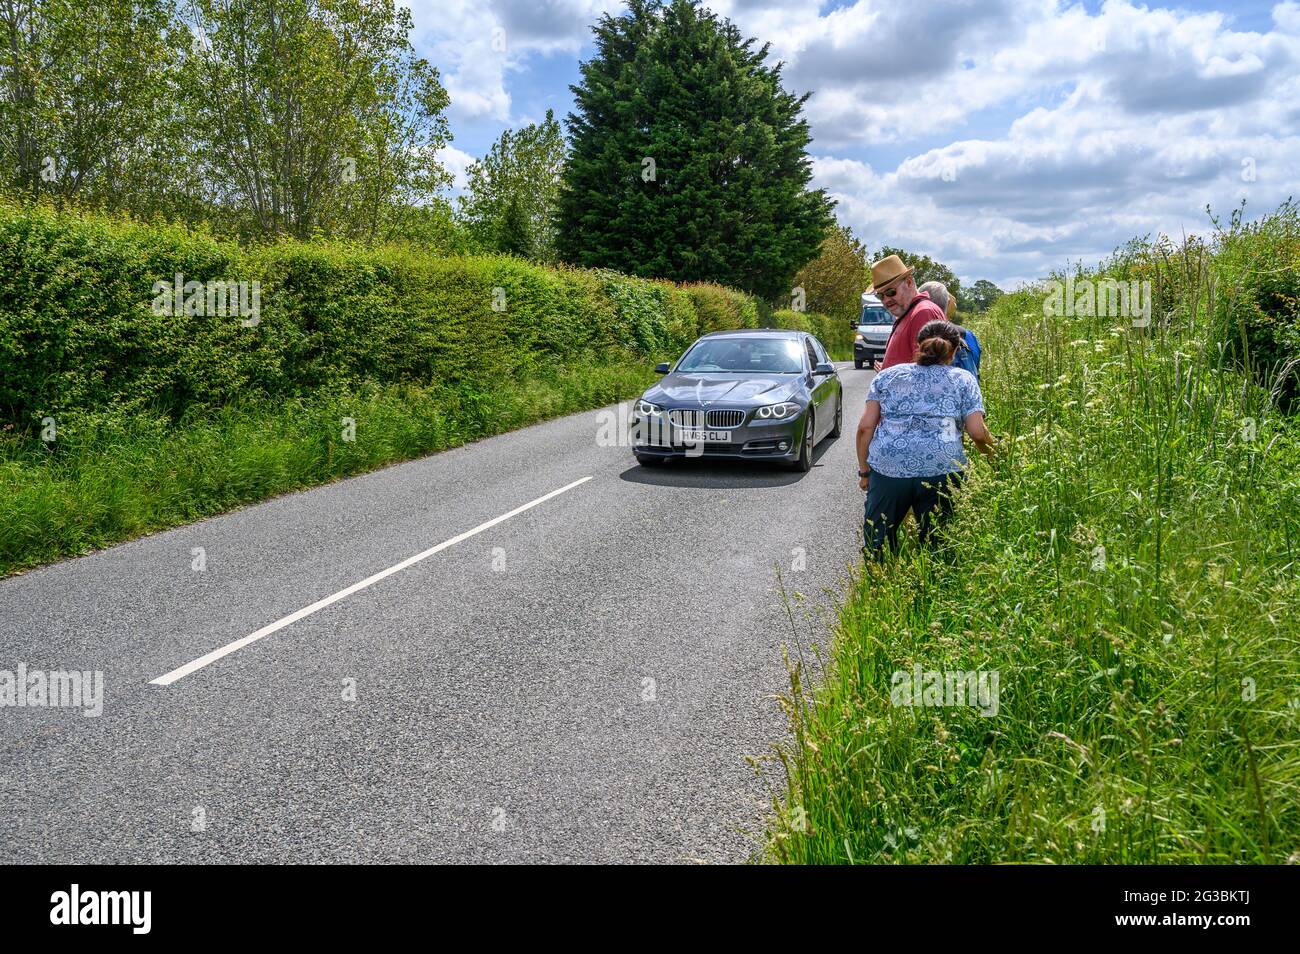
[(937, 342)]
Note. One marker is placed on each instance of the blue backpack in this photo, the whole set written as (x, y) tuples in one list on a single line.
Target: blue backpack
[(968, 354)]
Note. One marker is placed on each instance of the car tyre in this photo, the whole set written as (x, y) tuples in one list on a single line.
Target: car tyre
[(803, 463), (857, 363), (838, 429), (649, 460)]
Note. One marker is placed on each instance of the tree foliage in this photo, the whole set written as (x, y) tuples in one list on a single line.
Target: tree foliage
[(925, 269), (88, 100), (833, 282), (314, 114), (510, 202), (265, 117), (980, 296), (688, 159)]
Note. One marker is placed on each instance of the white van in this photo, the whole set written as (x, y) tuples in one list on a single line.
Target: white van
[(873, 329)]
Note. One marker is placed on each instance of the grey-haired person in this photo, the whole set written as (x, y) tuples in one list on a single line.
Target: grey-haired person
[(968, 352)]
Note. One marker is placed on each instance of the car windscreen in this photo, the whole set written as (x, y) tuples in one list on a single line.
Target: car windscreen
[(875, 315), (760, 355)]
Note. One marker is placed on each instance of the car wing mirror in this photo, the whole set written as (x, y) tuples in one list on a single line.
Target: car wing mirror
[(824, 367), (661, 368)]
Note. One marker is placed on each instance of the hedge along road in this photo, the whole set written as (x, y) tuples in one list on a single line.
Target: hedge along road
[(579, 680)]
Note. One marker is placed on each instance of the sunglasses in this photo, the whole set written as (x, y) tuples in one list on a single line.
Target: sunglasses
[(889, 292)]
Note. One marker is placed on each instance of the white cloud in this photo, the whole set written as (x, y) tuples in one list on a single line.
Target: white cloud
[(892, 72), (456, 162), (477, 45), (1065, 183), (1163, 113), (1287, 17), (1062, 132)]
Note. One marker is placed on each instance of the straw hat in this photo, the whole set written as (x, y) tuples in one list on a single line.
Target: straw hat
[(951, 309), (889, 269)]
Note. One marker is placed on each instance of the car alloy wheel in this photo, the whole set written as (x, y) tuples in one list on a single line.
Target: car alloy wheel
[(804, 461)]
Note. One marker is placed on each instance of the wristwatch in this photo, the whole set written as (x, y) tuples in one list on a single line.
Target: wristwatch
[(864, 473)]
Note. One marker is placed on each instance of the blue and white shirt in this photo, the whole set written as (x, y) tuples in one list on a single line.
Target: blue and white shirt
[(921, 413)]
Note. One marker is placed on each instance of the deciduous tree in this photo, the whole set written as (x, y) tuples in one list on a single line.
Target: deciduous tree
[(510, 201), (833, 282), (980, 296), (314, 114), (88, 101)]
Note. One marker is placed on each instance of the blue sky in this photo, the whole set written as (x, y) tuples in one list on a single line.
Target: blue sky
[(1002, 138)]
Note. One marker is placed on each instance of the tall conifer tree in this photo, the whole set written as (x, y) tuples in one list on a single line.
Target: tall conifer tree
[(688, 159)]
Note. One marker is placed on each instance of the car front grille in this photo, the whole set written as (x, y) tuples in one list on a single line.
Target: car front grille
[(720, 417), (687, 418), (725, 418)]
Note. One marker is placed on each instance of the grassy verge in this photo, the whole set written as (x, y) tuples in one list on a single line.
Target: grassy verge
[(1128, 569), (120, 478)]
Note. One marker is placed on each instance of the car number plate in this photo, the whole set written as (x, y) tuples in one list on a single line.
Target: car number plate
[(692, 435)]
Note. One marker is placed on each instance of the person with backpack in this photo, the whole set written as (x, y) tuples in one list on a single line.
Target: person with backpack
[(968, 352)]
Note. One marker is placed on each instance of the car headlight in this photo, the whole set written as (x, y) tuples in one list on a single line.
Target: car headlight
[(859, 338), (646, 409), (777, 411)]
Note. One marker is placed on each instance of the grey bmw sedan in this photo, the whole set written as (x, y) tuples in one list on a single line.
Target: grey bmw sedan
[(760, 394)]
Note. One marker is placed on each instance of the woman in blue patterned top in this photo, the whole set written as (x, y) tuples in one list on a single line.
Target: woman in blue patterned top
[(910, 453)]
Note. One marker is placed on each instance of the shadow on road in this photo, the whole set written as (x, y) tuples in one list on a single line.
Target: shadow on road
[(721, 472)]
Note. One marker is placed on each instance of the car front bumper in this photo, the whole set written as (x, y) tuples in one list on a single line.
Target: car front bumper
[(753, 440)]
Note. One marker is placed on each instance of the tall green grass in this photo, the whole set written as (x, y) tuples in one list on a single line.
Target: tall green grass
[(1130, 567)]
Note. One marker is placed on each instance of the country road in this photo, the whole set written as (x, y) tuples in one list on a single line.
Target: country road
[(580, 681)]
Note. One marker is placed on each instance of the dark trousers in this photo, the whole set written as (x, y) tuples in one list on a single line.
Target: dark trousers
[(889, 499)]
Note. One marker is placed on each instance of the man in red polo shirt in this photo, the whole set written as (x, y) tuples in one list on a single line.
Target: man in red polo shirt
[(893, 284)]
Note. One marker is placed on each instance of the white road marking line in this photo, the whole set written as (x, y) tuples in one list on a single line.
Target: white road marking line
[(216, 654)]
